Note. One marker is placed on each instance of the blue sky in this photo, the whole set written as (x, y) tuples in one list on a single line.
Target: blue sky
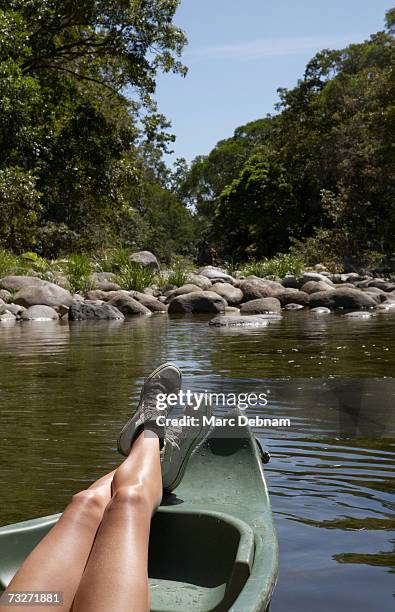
[(240, 52)]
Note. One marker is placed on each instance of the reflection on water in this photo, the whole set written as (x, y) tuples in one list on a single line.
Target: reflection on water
[(66, 389)]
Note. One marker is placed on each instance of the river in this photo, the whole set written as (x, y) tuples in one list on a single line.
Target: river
[(66, 389)]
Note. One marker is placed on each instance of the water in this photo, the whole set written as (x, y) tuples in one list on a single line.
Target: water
[(66, 389)]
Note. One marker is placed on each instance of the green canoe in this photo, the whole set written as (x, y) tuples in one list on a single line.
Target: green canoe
[(213, 545)]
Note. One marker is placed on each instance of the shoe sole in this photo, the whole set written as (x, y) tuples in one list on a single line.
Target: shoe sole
[(196, 443), (131, 422)]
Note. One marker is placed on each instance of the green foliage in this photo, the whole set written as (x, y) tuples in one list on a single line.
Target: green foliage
[(74, 151), (134, 277), (277, 267), (78, 269), (19, 208), (180, 271), (321, 168), (9, 263)]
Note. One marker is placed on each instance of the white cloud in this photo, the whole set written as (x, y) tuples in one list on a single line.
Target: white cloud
[(271, 47)]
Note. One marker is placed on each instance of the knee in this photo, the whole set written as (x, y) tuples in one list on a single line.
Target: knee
[(88, 502), (131, 496)]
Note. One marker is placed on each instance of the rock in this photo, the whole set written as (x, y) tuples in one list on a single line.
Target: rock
[(230, 293), (358, 315), (215, 274), (46, 294), (7, 317), (184, 289), (107, 286), (201, 281), (292, 306), (96, 294), (100, 277), (15, 283), (385, 307), (5, 295), (261, 306), (293, 296), (197, 302), (232, 310), (373, 290), (320, 310), (341, 286), (149, 302), (145, 259), (291, 281), (39, 313), (314, 286), (15, 309), (380, 283), (128, 305), (255, 289), (315, 276), (345, 278), (236, 321), (342, 298), (81, 311)]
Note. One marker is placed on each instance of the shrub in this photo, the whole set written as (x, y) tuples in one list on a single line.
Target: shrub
[(180, 271), (278, 266), (9, 263), (78, 269)]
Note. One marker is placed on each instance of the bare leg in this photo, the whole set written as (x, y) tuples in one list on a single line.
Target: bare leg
[(58, 561), (116, 575)]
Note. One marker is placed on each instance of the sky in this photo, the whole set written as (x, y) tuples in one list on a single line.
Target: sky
[(241, 52)]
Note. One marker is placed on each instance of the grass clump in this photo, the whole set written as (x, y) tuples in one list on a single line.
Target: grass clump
[(181, 269), (9, 263), (277, 267), (78, 269), (129, 275)]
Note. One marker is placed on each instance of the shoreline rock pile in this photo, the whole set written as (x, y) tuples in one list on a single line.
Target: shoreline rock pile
[(210, 291)]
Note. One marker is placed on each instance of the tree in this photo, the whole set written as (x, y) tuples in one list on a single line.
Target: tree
[(77, 113)]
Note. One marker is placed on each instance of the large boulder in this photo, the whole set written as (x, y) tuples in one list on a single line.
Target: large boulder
[(184, 289), (15, 283), (129, 306), (293, 296), (96, 294), (315, 276), (201, 281), (39, 313), (239, 321), (230, 293), (46, 294), (145, 259), (81, 311), (214, 273), (149, 301), (197, 302), (254, 289), (314, 287), (342, 298), (260, 306)]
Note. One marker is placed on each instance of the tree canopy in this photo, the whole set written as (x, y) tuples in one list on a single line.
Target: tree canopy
[(321, 168), (80, 134)]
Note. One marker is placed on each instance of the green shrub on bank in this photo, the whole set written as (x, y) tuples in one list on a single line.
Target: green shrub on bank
[(129, 275), (181, 269), (78, 269), (278, 266), (9, 263)]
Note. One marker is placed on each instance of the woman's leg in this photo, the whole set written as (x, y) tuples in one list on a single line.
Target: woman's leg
[(58, 561), (116, 575)]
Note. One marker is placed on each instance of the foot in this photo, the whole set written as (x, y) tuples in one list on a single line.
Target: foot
[(164, 380), (181, 442)]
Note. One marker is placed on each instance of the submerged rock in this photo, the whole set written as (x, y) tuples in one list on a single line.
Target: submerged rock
[(292, 306), (358, 315), (236, 321)]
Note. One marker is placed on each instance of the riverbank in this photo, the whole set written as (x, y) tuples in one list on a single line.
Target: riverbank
[(237, 300)]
